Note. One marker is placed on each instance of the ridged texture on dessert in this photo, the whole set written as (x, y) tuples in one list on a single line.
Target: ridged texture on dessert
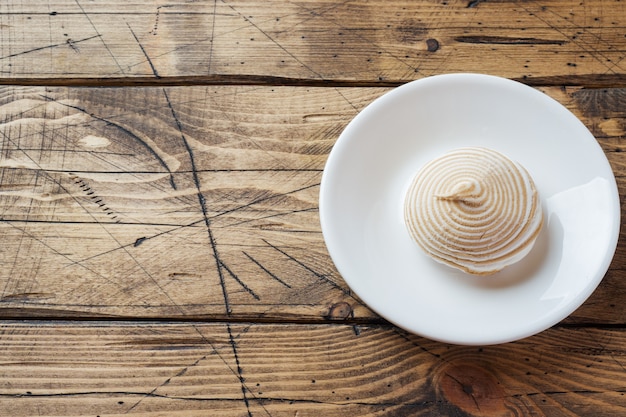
[(474, 209)]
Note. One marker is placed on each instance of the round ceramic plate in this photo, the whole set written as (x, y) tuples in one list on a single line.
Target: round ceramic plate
[(376, 157)]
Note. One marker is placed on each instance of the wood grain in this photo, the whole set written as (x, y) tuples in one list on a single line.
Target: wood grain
[(161, 251), (198, 202), (175, 202), (548, 42), (304, 370)]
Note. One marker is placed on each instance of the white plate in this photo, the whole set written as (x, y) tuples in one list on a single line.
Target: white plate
[(373, 162)]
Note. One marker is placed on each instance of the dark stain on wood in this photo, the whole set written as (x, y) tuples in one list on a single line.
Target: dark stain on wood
[(410, 31), (601, 102), (605, 112)]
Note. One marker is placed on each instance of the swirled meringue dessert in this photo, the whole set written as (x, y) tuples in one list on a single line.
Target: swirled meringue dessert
[(474, 209)]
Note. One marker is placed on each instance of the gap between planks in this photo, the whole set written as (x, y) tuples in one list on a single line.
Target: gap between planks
[(172, 320), (585, 81)]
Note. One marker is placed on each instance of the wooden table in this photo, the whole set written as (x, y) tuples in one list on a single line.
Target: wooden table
[(161, 252)]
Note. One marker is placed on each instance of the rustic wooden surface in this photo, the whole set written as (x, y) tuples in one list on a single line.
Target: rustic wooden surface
[(159, 176), (550, 41)]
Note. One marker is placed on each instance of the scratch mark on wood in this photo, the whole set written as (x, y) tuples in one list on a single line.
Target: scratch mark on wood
[(100, 36), (242, 380), (411, 340), (90, 152), (590, 48), (267, 271), (72, 45), (33, 237), (370, 41), (25, 233), (102, 225), (202, 202), (261, 199), (86, 188), (176, 227), (319, 275), (125, 130), (166, 382), (27, 296), (313, 12), (143, 50), (298, 60), (239, 281), (603, 348), (212, 38), (412, 405), (271, 216), (41, 48), (145, 238), (466, 388), (356, 109), (14, 263)]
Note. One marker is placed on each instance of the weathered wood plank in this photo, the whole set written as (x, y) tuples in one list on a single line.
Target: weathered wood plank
[(186, 201), (316, 40), (188, 369), (197, 202)]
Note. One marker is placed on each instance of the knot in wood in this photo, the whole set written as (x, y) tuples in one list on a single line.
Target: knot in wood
[(340, 311), (472, 389)]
